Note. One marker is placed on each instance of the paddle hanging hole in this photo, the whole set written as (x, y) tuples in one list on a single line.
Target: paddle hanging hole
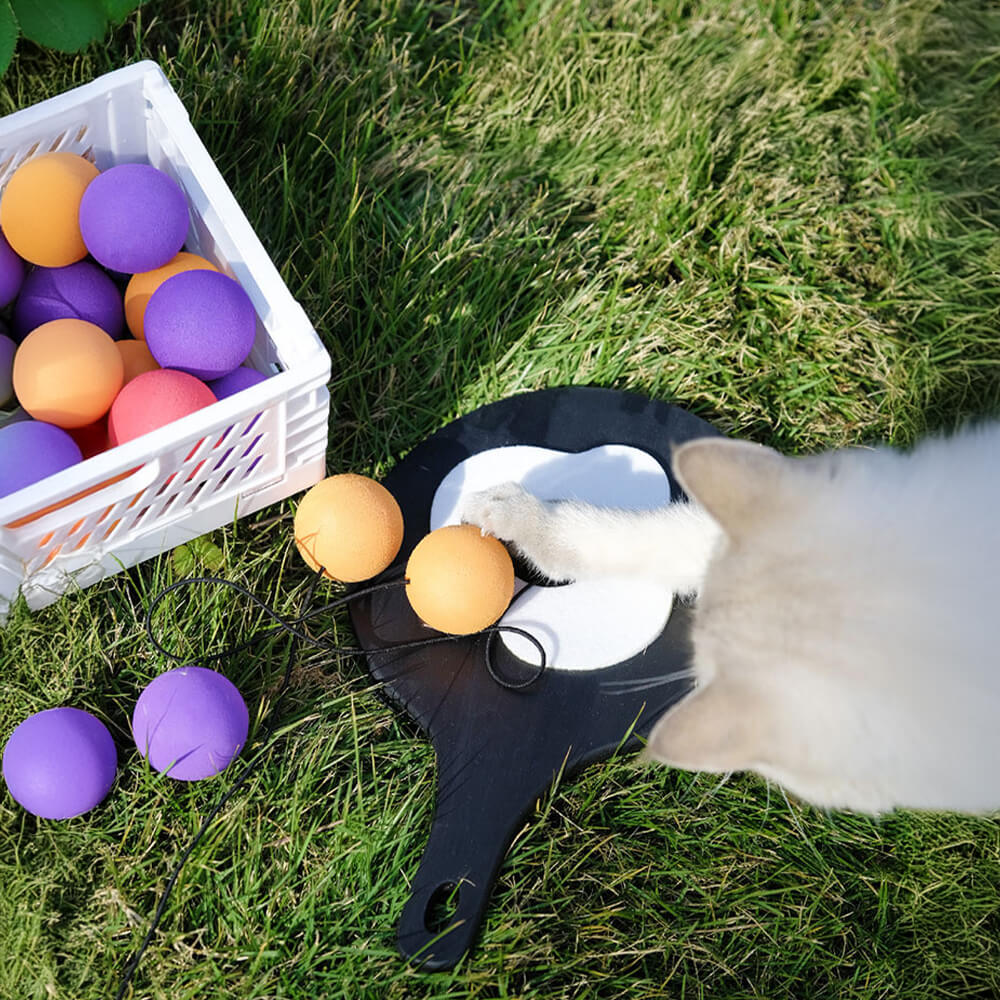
[(442, 907)]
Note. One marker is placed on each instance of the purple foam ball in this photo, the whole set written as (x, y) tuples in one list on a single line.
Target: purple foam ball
[(60, 763), (190, 723), (30, 450), (201, 322), (7, 349), (236, 381), (78, 291), (133, 218), (11, 272)]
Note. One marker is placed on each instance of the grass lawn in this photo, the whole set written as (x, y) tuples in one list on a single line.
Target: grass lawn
[(782, 214)]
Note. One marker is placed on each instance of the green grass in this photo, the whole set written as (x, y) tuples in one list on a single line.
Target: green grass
[(782, 214)]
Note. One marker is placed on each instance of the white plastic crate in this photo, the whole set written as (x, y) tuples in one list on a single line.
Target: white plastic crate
[(232, 458)]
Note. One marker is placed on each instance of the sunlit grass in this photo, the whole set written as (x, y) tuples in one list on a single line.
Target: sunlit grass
[(781, 214)]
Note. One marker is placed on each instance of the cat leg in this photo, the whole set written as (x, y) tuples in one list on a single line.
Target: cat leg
[(571, 540)]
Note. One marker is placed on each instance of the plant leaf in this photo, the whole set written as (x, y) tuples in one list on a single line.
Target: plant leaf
[(8, 34), (117, 10), (64, 25), (199, 552), (207, 553), (183, 562)]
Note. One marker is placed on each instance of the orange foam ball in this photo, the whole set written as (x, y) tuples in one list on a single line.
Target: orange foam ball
[(459, 580), (40, 208), (136, 357), (140, 288), (67, 372), (350, 526)]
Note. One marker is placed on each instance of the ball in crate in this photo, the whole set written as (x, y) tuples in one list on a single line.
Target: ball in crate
[(349, 526), (190, 723), (141, 287), (200, 322), (153, 399), (60, 763), (133, 218), (236, 381), (32, 450), (11, 273), (92, 439), (7, 349), (40, 208), (77, 291), (136, 357), (67, 372)]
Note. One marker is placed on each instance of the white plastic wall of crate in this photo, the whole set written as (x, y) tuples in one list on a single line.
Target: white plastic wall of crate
[(128, 115), (189, 488)]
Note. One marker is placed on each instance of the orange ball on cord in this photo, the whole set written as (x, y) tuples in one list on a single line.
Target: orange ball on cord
[(350, 526), (458, 580), (40, 208), (67, 372)]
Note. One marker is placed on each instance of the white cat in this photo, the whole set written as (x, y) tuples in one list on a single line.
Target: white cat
[(847, 625)]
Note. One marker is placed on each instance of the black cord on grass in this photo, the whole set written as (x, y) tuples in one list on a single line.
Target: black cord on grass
[(290, 627)]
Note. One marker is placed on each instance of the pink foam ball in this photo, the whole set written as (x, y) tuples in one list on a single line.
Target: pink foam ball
[(152, 400)]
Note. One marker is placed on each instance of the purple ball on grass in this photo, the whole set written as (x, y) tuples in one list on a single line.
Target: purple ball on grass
[(78, 291), (133, 218), (30, 450), (11, 272), (190, 722), (60, 763), (236, 381), (7, 349), (200, 322)]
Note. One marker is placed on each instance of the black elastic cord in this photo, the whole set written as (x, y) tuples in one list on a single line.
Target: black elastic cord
[(289, 626), (267, 725)]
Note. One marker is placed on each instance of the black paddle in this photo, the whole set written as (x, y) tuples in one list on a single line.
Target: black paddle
[(498, 748)]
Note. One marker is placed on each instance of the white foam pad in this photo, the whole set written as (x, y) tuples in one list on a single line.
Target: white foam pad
[(591, 624)]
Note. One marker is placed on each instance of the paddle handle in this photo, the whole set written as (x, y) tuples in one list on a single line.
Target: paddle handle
[(466, 846)]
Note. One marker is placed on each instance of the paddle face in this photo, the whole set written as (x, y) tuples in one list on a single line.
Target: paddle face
[(498, 750)]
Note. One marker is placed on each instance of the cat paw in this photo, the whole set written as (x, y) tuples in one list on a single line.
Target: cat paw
[(508, 512), (529, 525)]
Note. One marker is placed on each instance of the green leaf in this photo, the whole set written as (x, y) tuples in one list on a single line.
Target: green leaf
[(65, 25), (198, 553), (207, 553), (183, 562), (118, 10), (8, 34)]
